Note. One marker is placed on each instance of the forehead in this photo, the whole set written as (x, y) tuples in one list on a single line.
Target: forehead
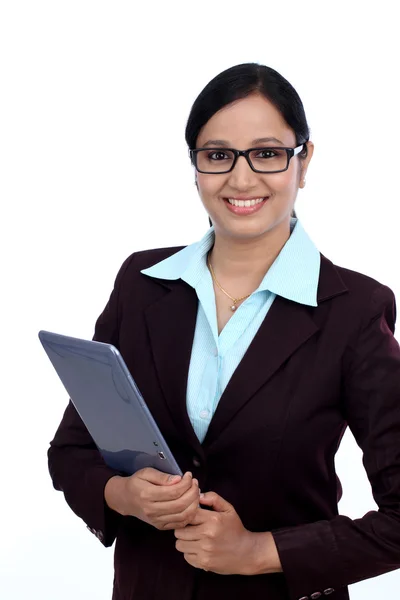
[(245, 120)]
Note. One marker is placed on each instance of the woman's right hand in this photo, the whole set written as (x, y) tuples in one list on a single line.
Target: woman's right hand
[(162, 500)]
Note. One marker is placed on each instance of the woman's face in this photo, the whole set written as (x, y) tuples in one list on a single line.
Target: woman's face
[(242, 125)]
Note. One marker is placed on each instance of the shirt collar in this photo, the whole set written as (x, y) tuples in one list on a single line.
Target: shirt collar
[(293, 275)]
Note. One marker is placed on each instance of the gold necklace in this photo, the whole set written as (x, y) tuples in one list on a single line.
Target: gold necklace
[(235, 300)]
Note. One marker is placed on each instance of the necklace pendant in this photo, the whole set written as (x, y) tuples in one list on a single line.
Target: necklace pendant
[(233, 307)]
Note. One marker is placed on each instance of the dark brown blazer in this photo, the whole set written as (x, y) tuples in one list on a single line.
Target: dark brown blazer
[(309, 372)]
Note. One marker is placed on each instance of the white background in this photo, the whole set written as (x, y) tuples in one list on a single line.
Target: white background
[(90, 93)]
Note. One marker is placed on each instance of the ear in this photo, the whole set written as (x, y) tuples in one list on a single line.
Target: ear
[(304, 164)]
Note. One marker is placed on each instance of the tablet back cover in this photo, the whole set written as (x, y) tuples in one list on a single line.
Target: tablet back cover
[(109, 403)]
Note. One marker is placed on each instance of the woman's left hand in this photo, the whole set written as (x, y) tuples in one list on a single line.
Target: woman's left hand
[(216, 540)]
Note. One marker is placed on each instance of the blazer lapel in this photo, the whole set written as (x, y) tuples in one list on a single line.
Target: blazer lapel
[(287, 326), (171, 323)]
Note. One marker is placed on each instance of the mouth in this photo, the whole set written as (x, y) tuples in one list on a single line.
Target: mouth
[(245, 201), (245, 206)]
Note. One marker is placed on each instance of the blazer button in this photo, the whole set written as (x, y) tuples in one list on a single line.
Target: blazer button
[(315, 595), (328, 591), (196, 462)]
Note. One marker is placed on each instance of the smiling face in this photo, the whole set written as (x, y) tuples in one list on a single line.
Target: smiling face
[(241, 125)]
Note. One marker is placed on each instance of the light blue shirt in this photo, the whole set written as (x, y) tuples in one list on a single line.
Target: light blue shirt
[(293, 275)]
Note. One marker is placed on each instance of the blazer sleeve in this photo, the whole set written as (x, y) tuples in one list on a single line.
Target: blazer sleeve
[(326, 555), (75, 464)]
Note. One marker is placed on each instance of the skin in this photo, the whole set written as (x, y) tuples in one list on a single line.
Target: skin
[(217, 541), (163, 501), (245, 247)]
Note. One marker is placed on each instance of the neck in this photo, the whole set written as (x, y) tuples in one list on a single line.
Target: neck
[(247, 259)]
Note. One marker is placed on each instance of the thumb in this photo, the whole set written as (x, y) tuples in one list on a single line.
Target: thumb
[(216, 502), (157, 477)]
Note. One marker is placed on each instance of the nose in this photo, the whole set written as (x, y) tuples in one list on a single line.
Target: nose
[(242, 177)]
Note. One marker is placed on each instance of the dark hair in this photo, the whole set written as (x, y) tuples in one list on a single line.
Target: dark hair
[(239, 82)]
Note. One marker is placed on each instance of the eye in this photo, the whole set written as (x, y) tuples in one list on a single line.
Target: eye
[(218, 155), (266, 153)]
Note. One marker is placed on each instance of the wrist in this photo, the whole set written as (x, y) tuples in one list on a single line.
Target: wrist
[(263, 557), (114, 494)]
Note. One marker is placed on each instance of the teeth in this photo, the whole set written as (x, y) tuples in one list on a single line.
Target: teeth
[(244, 202)]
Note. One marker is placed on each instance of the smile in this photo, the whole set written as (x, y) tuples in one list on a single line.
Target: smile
[(245, 206), (251, 202)]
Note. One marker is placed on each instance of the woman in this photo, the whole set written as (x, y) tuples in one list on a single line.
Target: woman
[(253, 352)]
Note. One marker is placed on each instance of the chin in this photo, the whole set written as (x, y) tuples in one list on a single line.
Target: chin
[(246, 230)]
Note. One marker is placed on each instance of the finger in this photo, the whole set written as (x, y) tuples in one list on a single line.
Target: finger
[(215, 501), (170, 526), (186, 547), (173, 492), (169, 493), (193, 560), (178, 511), (201, 516), (180, 494), (189, 534), (157, 477)]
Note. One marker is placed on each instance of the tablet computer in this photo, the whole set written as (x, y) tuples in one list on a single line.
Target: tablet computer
[(109, 403)]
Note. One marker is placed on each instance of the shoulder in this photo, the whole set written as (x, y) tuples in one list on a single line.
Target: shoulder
[(367, 295), (356, 281)]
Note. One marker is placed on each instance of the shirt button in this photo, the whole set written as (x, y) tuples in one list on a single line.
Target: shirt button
[(196, 461), (328, 591), (304, 598), (204, 414), (315, 595)]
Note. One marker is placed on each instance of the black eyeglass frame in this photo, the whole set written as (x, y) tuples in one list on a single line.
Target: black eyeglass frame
[(290, 152)]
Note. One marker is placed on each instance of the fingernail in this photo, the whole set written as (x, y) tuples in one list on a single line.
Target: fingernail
[(174, 477), (202, 495), (189, 473)]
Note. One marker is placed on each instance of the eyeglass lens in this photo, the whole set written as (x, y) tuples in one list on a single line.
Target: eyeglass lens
[(219, 160)]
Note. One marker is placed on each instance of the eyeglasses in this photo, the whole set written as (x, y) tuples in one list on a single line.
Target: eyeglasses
[(260, 160)]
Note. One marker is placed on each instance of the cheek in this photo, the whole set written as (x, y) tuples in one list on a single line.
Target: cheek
[(281, 183), (209, 185)]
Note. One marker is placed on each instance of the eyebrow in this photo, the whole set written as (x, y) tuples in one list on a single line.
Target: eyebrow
[(254, 142)]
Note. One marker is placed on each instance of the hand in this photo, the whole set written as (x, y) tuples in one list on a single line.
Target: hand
[(217, 540), (164, 501)]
